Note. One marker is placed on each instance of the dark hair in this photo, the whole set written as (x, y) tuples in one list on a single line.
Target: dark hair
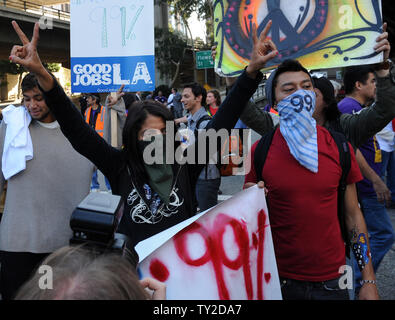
[(81, 274), (95, 97), (355, 74), (137, 115), (198, 90), (129, 99), (164, 88), (288, 65), (217, 96), (331, 111), (29, 82)]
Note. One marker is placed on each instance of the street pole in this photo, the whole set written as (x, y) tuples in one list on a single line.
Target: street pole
[(194, 66)]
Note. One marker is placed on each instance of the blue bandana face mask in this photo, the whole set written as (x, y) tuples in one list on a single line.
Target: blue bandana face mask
[(298, 127)]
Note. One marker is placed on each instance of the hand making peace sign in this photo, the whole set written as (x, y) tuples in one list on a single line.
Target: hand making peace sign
[(263, 50), (27, 56)]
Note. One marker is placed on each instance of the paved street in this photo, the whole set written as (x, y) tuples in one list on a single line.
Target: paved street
[(386, 272)]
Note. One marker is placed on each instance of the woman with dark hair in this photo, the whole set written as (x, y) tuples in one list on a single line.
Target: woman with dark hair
[(156, 195), (213, 101), (326, 104)]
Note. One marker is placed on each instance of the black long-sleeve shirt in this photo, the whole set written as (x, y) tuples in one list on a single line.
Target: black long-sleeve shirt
[(139, 221)]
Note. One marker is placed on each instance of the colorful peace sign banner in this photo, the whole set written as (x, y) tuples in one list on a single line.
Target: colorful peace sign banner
[(319, 33)]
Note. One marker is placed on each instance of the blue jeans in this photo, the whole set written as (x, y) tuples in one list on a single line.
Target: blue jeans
[(381, 233), (207, 193), (388, 171), (95, 182), (306, 290)]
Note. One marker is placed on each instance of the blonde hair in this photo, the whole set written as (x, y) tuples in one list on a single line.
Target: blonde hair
[(81, 274)]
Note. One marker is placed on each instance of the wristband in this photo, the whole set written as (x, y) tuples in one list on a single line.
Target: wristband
[(362, 282), (386, 65)]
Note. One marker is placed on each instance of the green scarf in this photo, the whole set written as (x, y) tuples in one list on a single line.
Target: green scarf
[(160, 174)]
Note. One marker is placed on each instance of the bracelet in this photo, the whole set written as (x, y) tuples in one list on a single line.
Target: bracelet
[(385, 65), (362, 282)]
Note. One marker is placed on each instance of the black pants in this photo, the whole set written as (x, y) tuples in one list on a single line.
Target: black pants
[(306, 290), (16, 269)]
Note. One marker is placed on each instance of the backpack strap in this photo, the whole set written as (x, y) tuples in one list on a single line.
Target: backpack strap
[(204, 118), (345, 163), (261, 152), (198, 123)]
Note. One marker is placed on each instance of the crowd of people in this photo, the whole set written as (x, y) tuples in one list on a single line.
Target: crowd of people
[(333, 208)]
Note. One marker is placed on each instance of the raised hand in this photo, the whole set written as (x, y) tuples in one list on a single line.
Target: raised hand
[(214, 52), (263, 50), (27, 56), (383, 45), (116, 96)]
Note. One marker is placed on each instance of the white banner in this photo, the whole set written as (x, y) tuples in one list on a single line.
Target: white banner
[(224, 253)]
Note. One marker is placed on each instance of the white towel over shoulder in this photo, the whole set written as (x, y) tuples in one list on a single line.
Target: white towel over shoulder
[(18, 147)]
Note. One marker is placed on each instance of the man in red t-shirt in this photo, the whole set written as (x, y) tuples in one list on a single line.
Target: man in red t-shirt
[(302, 173)]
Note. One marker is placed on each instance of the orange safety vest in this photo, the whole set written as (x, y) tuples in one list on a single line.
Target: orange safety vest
[(99, 125)]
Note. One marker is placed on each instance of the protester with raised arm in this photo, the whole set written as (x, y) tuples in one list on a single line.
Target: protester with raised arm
[(155, 196), (47, 179)]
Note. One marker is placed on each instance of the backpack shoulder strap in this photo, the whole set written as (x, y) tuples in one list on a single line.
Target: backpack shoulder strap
[(345, 163), (261, 152), (334, 125), (344, 153), (204, 118)]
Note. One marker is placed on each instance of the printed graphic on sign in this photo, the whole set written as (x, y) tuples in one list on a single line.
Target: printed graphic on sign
[(112, 43), (318, 33), (227, 253)]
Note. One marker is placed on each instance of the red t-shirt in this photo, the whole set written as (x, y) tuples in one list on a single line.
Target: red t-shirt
[(303, 208), (213, 111)]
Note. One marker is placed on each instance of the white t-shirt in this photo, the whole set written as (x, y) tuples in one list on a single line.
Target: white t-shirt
[(51, 125), (170, 101), (386, 138)]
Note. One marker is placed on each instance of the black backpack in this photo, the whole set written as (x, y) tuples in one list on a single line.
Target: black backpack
[(262, 150)]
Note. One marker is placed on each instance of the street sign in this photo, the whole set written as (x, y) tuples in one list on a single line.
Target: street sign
[(204, 60)]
